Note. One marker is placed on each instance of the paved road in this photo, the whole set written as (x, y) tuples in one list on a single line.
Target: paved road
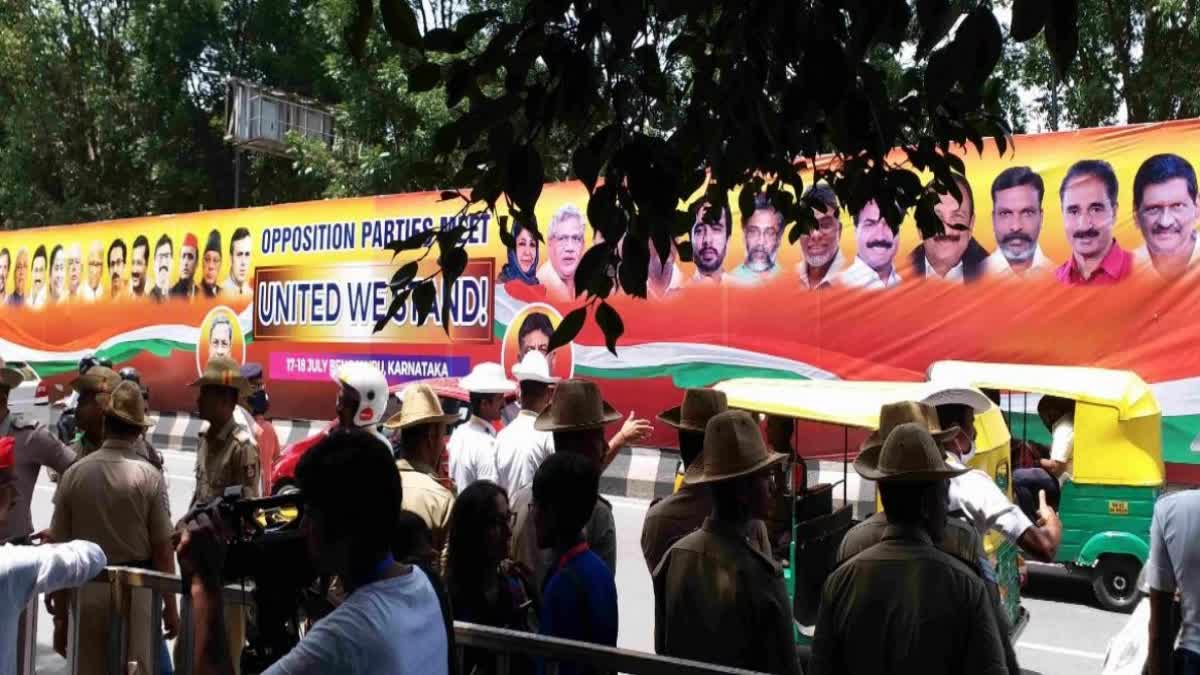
[(1066, 634)]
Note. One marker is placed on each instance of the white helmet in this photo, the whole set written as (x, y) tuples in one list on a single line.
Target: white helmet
[(372, 388)]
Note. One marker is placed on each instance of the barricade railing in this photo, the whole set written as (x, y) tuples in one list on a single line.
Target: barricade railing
[(504, 645)]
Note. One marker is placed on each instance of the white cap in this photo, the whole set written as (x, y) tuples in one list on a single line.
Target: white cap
[(487, 378), (534, 368)]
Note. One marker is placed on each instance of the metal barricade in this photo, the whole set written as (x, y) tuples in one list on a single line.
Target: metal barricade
[(503, 644)]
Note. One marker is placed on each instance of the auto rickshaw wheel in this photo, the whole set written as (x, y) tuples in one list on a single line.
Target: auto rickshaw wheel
[(1115, 582)]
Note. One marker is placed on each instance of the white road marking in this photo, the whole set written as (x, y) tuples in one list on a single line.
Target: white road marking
[(1061, 650)]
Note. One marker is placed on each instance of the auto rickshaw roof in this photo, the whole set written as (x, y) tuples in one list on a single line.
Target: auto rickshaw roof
[(1120, 389), (843, 402)]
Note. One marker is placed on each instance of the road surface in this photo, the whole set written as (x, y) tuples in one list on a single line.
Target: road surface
[(1066, 635)]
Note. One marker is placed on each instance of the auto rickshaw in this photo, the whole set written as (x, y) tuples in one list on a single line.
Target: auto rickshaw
[(835, 417), (1107, 505)]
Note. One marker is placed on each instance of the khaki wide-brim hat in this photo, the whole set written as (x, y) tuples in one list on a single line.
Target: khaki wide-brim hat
[(1053, 408), (577, 405), (419, 405), (222, 371), (125, 403), (893, 415), (975, 400), (97, 380), (733, 447), (908, 454), (10, 378), (699, 406)]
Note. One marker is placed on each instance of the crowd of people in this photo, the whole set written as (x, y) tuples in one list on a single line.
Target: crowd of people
[(515, 534)]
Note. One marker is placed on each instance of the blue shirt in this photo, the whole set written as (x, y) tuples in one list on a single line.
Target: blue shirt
[(563, 612)]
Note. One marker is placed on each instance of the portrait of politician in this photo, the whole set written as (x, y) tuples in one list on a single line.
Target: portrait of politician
[(74, 270), (212, 265), (139, 255), (189, 256), (1017, 195), (822, 245), (523, 258), (953, 254), (116, 269), (238, 283), (874, 265), (37, 272), (534, 334), (710, 240), (58, 275), (763, 229), (20, 275), (95, 272), (164, 260), (565, 237), (1088, 198), (1164, 208), (5, 263), (220, 337)]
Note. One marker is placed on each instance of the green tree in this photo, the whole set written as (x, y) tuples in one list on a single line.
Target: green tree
[(660, 99), (1137, 57)]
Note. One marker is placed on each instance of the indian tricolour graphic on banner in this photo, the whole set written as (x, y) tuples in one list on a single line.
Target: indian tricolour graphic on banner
[(299, 287)]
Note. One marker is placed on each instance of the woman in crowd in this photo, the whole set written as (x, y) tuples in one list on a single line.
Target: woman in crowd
[(484, 587), (522, 258)]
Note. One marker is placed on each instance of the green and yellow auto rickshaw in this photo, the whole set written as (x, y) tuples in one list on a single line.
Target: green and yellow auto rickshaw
[(1107, 503), (829, 420)]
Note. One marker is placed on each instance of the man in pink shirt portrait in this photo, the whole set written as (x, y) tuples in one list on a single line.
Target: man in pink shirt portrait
[(1089, 206)]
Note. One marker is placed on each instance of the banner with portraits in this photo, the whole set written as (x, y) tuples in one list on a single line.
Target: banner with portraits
[(1074, 248)]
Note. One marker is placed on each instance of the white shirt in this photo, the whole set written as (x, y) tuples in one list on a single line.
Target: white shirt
[(1174, 563), (984, 504), (472, 452), (1062, 446), (392, 626), (1144, 263), (860, 275), (555, 286), (836, 266), (520, 450), (26, 570), (673, 285), (742, 275), (953, 274), (87, 294), (997, 265)]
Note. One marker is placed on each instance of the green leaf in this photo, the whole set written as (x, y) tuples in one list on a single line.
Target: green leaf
[(393, 309), (586, 166), (1028, 18), (444, 40), (424, 76), (415, 241), (592, 265), (470, 24), (453, 262), (568, 329), (935, 17), (400, 22), (403, 277), (940, 76), (524, 178), (611, 325), (424, 295), (1062, 34)]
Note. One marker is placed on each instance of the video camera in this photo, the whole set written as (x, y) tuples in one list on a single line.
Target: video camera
[(268, 550)]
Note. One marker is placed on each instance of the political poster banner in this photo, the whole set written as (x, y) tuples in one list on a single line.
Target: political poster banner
[(1074, 248)]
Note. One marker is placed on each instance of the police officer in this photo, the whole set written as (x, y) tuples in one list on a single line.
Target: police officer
[(91, 389), (227, 456), (114, 498), (142, 446), (34, 448)]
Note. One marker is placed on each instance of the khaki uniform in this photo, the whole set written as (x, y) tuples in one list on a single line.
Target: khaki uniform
[(427, 498), (682, 513), (719, 600), (225, 459), (600, 533), (114, 499), (919, 609), (34, 447), (961, 541)]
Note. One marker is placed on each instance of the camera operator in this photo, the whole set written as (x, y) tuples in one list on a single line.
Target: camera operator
[(25, 570), (390, 621), (114, 498)]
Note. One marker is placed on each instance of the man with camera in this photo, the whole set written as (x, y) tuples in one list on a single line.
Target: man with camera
[(114, 498), (390, 621)]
